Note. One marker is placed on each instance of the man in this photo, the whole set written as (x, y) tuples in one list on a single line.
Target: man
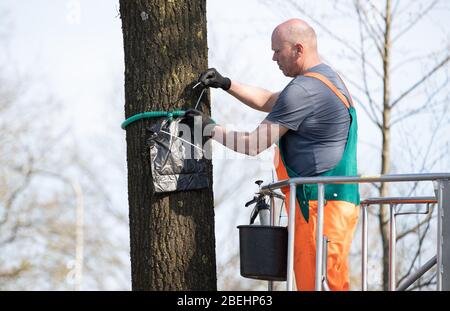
[(314, 123)]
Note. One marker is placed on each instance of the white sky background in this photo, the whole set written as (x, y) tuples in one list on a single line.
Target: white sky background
[(73, 50)]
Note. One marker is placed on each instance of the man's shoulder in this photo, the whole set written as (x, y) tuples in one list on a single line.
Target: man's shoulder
[(323, 69), (307, 84), (294, 90), (313, 85)]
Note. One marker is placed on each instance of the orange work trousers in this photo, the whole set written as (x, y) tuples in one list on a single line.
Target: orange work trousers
[(340, 220)]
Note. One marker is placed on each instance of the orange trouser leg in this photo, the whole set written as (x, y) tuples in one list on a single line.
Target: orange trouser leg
[(340, 219)]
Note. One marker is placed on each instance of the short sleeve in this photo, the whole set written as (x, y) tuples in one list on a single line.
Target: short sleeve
[(292, 107)]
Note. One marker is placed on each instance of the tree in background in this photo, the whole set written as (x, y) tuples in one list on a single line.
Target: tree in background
[(56, 216), (171, 234)]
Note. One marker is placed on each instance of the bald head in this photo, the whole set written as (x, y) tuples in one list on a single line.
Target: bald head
[(295, 47), (296, 31)]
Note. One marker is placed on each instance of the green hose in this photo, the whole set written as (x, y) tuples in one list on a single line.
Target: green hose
[(152, 114)]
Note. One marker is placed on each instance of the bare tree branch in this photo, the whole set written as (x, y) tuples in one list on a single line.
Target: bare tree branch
[(332, 34), (374, 117), (439, 156), (361, 102), (374, 212), (428, 150), (394, 10), (418, 83), (437, 126), (365, 22), (429, 282), (363, 106), (10, 201), (14, 232), (417, 253), (367, 111), (408, 61), (376, 10), (415, 20), (416, 227), (15, 272), (426, 105)]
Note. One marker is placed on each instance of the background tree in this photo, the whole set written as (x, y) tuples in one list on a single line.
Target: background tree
[(59, 229), (172, 234), (56, 217)]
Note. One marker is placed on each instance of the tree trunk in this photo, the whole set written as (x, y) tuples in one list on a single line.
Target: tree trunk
[(171, 234), (386, 147)]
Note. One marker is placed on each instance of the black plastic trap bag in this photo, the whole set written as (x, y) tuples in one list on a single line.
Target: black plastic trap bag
[(177, 161)]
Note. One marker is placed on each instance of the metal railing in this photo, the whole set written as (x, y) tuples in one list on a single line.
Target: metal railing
[(443, 189), (393, 202)]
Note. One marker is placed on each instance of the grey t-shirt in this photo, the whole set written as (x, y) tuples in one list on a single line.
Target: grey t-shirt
[(317, 120)]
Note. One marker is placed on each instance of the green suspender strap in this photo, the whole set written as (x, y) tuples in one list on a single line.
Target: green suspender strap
[(347, 166)]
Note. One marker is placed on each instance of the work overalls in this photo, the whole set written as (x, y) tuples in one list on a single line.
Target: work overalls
[(341, 211)]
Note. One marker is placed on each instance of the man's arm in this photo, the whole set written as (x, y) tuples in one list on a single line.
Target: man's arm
[(254, 97), (266, 134)]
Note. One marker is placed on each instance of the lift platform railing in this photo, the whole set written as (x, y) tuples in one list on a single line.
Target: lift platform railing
[(392, 202), (442, 188)]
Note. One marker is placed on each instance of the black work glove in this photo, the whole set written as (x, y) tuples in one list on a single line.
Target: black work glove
[(212, 78), (192, 115)]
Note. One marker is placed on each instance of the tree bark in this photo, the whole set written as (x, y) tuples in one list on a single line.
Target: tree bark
[(171, 234)]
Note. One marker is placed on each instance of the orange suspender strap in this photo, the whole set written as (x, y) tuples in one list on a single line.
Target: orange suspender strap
[(346, 89), (330, 85)]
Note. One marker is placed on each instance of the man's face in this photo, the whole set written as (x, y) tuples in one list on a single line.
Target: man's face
[(286, 56)]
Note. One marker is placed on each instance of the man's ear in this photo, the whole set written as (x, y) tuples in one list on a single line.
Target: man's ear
[(298, 47)]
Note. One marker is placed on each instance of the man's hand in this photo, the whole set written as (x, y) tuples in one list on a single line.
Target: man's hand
[(192, 115), (212, 78)]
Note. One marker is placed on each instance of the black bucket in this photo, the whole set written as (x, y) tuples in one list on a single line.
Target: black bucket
[(263, 252)]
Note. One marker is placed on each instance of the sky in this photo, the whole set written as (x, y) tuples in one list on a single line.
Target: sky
[(73, 50)]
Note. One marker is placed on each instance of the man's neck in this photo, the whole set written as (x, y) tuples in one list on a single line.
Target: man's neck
[(310, 63)]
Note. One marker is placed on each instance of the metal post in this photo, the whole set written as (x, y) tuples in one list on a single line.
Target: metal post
[(325, 265), (364, 248), (392, 247), (445, 246), (440, 197), (272, 223), (291, 235), (319, 236), (416, 275), (272, 211)]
